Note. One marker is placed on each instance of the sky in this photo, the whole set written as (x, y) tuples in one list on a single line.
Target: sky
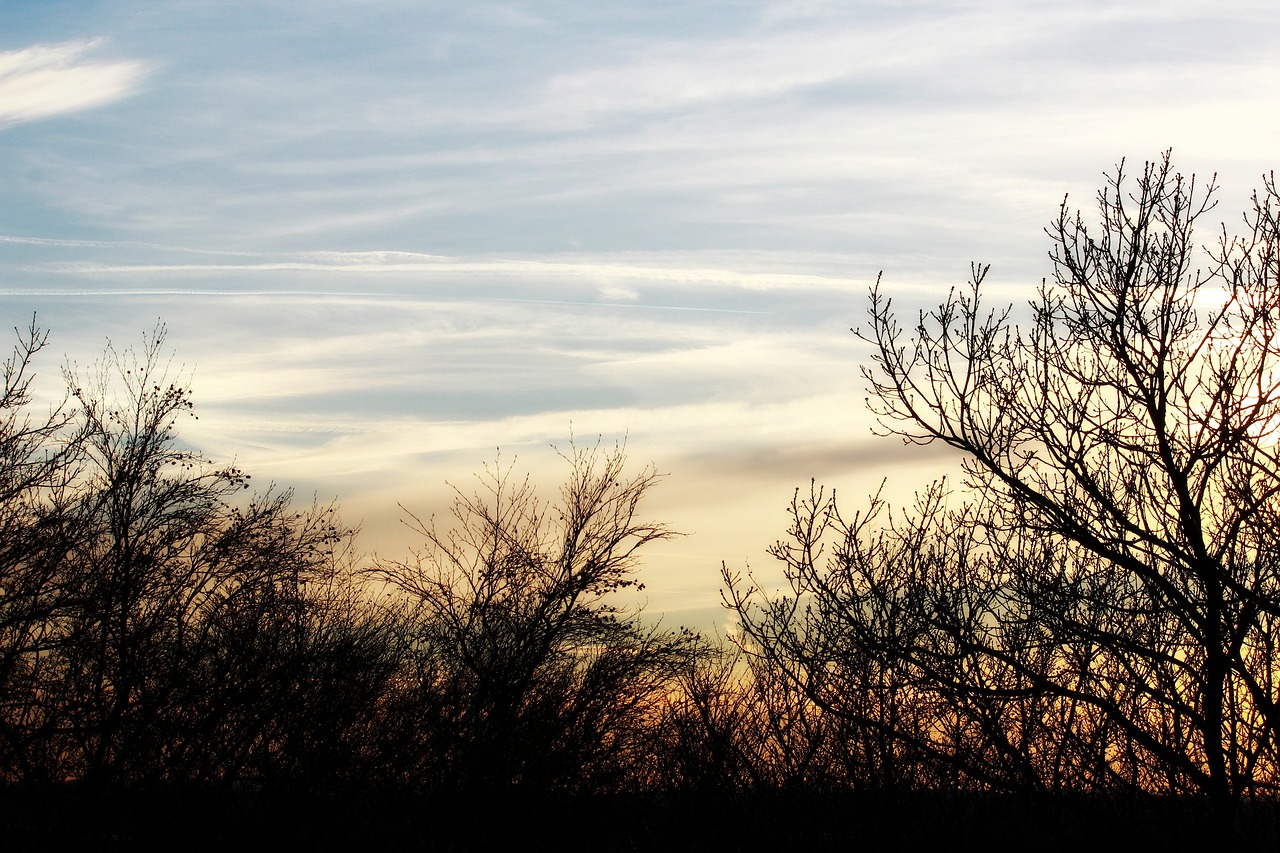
[(387, 238)]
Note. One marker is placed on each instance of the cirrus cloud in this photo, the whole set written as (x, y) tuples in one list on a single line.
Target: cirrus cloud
[(50, 79)]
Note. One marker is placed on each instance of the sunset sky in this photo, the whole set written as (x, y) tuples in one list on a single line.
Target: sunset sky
[(388, 238)]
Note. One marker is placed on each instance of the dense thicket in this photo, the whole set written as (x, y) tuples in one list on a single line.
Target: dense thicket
[(163, 629), (158, 627), (1082, 637)]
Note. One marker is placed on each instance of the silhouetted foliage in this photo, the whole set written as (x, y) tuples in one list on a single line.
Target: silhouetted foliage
[(1099, 611), (157, 627), (524, 673), (1080, 640), (37, 458)]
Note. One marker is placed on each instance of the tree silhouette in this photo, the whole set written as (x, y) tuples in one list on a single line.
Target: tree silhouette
[(527, 675), (158, 626), (38, 457), (1100, 611)]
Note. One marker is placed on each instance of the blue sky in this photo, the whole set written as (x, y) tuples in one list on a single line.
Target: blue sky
[(389, 237)]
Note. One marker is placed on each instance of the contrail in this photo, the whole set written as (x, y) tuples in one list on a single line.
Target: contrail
[(384, 261), (330, 294), (122, 244), (625, 305)]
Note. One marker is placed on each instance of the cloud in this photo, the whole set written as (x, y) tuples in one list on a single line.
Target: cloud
[(50, 79), (617, 275), (680, 74), (658, 221)]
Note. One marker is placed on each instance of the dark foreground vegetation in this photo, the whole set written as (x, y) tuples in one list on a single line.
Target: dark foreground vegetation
[(1078, 644)]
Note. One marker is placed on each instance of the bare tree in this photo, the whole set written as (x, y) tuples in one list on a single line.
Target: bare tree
[(527, 673), (157, 624), (39, 456), (1101, 608)]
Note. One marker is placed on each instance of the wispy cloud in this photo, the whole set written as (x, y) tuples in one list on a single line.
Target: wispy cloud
[(390, 237), (50, 79), (612, 272)]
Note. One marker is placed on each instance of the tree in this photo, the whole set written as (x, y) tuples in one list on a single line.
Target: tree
[(39, 455), (157, 624), (527, 676), (1101, 609)]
